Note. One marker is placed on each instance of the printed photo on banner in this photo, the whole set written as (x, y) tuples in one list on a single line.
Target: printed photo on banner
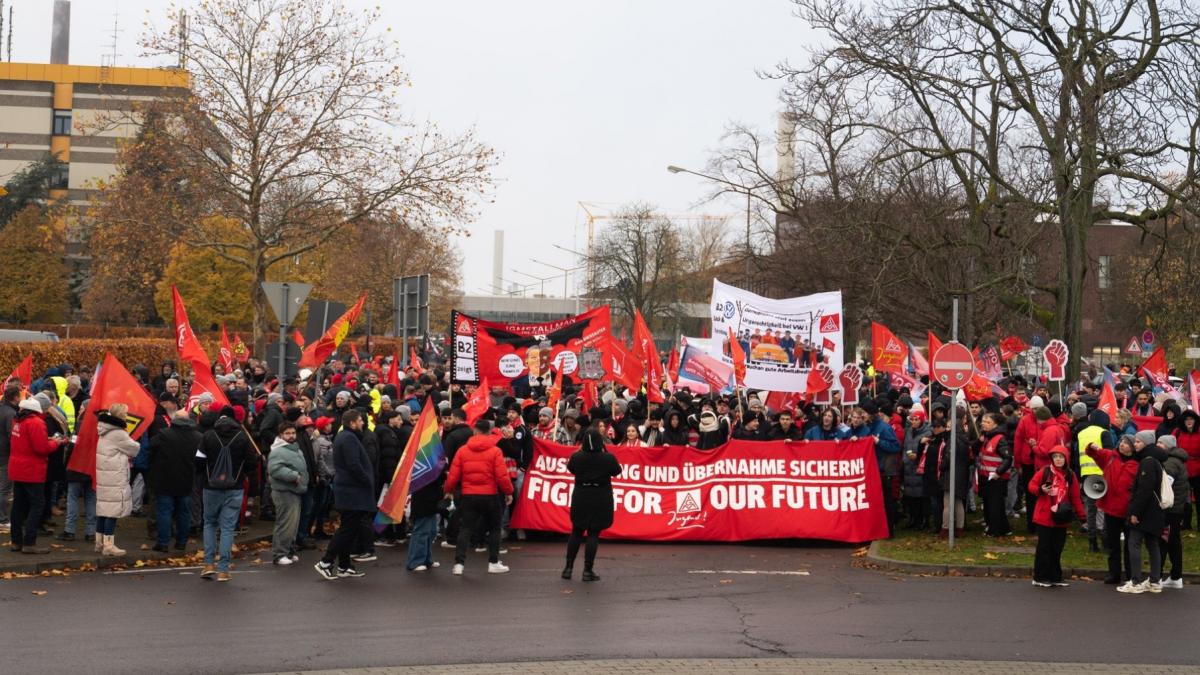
[(782, 339), (699, 372)]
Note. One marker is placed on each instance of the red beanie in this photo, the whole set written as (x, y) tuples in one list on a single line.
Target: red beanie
[(239, 414)]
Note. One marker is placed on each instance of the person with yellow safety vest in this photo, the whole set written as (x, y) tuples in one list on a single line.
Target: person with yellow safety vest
[(1098, 432), (64, 401)]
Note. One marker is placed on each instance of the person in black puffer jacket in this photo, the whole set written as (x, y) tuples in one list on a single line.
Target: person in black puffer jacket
[(172, 470), (1146, 522), (389, 458)]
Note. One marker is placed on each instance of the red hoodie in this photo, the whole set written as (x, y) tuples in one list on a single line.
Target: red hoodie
[(1068, 488), (1050, 433), (1119, 474), (479, 466)]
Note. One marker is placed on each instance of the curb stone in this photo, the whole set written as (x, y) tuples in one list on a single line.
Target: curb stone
[(103, 562), (992, 571)]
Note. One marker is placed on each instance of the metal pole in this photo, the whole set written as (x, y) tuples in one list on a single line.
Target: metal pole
[(747, 239), (950, 506), (368, 333), (283, 324)]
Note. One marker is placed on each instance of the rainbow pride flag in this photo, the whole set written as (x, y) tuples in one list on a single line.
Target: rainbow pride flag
[(423, 460)]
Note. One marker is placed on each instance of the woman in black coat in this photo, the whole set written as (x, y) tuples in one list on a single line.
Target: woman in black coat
[(591, 501)]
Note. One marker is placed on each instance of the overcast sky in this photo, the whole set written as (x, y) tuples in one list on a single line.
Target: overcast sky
[(584, 101)]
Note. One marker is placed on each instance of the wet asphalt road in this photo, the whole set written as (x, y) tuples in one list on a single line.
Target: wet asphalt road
[(653, 601)]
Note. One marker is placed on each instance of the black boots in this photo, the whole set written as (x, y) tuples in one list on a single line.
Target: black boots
[(568, 570), (589, 575), (1093, 545)]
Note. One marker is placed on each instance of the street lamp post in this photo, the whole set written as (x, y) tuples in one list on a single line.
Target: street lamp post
[(748, 190), (565, 270)]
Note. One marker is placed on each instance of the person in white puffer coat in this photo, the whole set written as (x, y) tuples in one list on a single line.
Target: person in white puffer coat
[(114, 499)]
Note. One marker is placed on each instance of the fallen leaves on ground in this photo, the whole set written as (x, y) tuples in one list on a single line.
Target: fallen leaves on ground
[(40, 593), (991, 556), (861, 552)]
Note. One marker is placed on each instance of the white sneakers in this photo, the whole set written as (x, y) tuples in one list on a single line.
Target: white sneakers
[(425, 568), (283, 560), (1146, 587), (497, 568), (1172, 583), (458, 570)]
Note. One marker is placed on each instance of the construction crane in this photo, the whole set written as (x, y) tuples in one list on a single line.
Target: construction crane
[(594, 211)]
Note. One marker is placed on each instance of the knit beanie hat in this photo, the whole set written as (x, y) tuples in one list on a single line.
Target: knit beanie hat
[(1079, 410), (1167, 442), (1146, 437), (1036, 402)]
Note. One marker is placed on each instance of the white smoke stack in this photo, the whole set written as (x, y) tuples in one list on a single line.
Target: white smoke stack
[(498, 262)]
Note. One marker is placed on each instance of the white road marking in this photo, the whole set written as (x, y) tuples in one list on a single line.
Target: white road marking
[(180, 570), (793, 573)]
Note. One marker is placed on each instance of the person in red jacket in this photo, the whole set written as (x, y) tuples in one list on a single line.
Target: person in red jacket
[(1120, 470), (1058, 493), (1187, 438), (479, 469), (29, 450), (1052, 433)]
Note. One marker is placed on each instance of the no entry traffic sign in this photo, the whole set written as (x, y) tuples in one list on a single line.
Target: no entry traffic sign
[(952, 365)]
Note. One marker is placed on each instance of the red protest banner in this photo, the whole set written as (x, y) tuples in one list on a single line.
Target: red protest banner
[(738, 492)]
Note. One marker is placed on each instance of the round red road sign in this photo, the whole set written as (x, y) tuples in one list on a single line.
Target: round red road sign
[(952, 365)]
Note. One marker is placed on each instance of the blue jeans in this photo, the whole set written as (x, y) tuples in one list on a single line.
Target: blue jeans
[(177, 510), (74, 492), (306, 512), (106, 525), (220, 511), (420, 541)]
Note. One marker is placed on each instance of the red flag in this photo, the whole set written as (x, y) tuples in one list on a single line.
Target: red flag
[(240, 350), (887, 351), (478, 403), (1011, 347), (738, 355), (23, 372), (316, 353), (1155, 368), (354, 351), (644, 349), (933, 341), (226, 352), (978, 388), (623, 367), (186, 343), (203, 381), (1108, 402), (588, 395), (393, 376), (414, 361), (298, 338), (112, 384), (673, 365), (783, 400)]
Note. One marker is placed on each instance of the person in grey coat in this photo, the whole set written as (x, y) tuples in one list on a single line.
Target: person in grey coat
[(916, 505), (353, 496), (288, 473)]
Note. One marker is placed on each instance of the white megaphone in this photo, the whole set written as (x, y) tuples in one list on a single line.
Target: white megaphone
[(1094, 487)]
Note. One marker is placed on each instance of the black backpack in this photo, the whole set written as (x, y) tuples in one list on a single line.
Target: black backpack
[(221, 475)]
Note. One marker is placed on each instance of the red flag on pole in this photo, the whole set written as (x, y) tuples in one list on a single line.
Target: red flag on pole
[(887, 351), (112, 384), (226, 351), (354, 351), (240, 350), (738, 355), (1108, 402), (414, 361), (298, 338), (1011, 347), (185, 340), (192, 353), (478, 403), (316, 353), (1194, 389), (624, 368), (673, 364), (588, 395), (393, 376), (933, 342), (644, 349), (23, 372), (1155, 368)]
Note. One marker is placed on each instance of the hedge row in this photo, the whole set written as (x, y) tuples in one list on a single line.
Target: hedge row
[(131, 351)]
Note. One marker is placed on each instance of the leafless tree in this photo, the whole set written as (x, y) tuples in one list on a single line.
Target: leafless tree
[(293, 128), (1077, 112), (638, 263)]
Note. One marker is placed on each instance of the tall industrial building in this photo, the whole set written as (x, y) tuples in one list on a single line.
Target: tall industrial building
[(78, 113)]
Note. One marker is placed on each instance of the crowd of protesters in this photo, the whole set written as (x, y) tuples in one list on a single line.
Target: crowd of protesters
[(317, 450)]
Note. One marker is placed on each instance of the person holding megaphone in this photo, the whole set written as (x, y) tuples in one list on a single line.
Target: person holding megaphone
[(1112, 498)]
